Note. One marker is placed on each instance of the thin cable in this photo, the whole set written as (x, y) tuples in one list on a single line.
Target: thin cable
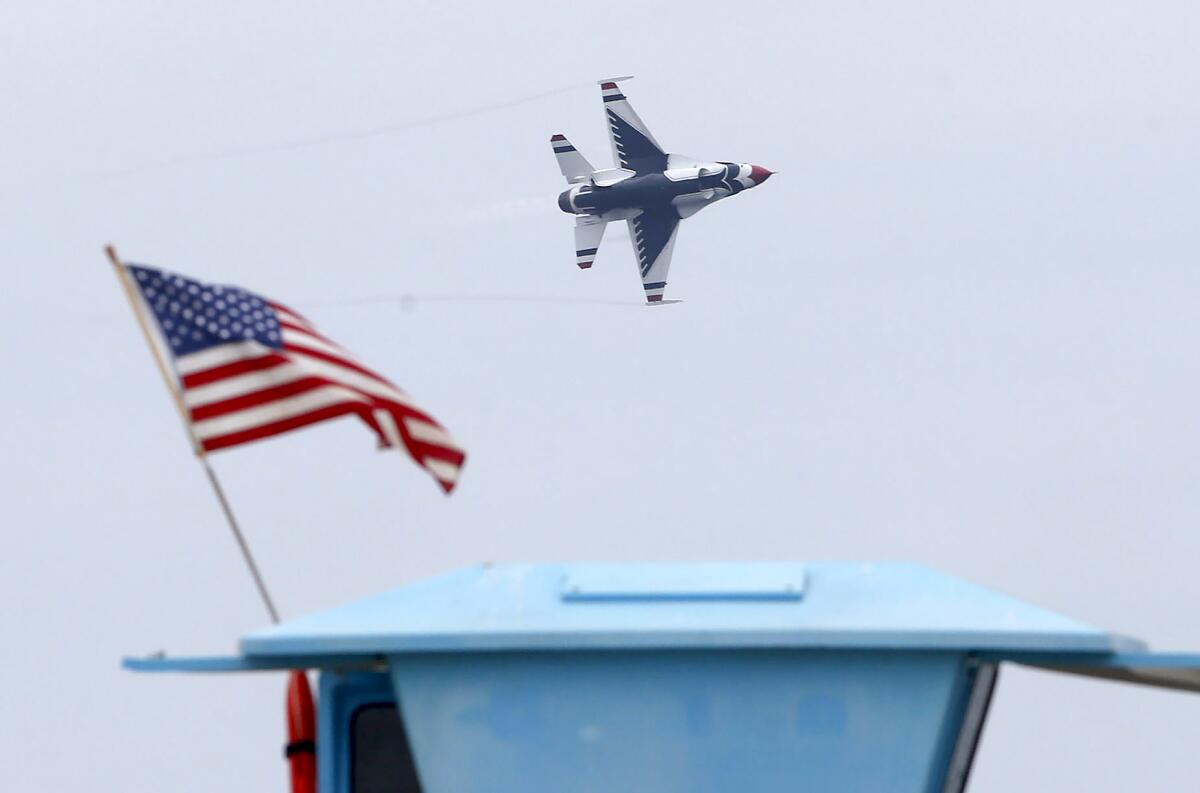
[(410, 301), (334, 137)]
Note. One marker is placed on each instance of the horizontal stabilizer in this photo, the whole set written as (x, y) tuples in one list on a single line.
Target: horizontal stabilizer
[(589, 231), (611, 176), (574, 166)]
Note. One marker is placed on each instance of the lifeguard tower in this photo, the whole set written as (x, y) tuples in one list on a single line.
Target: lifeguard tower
[(671, 678)]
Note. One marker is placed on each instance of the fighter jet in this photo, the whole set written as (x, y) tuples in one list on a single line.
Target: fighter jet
[(649, 189)]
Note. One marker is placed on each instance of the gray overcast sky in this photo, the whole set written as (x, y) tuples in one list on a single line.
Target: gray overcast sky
[(959, 327)]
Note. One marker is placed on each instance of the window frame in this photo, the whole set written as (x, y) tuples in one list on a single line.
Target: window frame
[(342, 695)]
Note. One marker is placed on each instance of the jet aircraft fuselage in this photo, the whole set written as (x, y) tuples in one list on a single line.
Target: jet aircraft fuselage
[(660, 191)]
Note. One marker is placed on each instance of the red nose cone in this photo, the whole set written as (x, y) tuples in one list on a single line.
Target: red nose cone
[(759, 174)]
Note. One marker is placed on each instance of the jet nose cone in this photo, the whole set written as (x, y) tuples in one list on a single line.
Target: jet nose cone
[(759, 174)]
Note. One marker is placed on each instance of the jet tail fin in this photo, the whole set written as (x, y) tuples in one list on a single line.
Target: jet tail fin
[(589, 230), (574, 166)]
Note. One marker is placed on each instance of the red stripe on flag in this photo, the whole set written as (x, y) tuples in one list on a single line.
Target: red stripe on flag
[(286, 425), (256, 364), (334, 359), (261, 397), (423, 450), (313, 333), (292, 311)]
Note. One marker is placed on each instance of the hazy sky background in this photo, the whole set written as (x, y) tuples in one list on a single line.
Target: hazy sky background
[(959, 327)]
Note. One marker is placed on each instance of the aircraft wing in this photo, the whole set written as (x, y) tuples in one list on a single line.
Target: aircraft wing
[(633, 145), (653, 235)]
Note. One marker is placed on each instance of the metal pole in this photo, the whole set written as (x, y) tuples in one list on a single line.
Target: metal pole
[(241, 540), (177, 398)]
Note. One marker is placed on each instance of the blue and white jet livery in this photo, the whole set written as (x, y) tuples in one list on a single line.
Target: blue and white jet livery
[(650, 190)]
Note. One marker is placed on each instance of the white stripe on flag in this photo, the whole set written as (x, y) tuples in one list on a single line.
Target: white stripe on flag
[(324, 368), (241, 385), (308, 340), (447, 472), (275, 411), (298, 367), (219, 356), (283, 315), (388, 425), (428, 433)]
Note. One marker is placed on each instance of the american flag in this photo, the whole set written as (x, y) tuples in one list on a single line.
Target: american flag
[(250, 368)]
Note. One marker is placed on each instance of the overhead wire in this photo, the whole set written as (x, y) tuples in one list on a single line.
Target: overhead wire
[(334, 137), (408, 302)]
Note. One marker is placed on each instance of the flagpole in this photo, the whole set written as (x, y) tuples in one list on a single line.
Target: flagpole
[(169, 381), (241, 540)]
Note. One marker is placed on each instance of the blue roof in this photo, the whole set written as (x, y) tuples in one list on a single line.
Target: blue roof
[(709, 605)]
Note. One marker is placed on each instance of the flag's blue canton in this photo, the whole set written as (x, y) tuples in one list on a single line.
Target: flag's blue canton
[(194, 316)]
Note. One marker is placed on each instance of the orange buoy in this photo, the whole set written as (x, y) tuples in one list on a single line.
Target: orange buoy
[(301, 749)]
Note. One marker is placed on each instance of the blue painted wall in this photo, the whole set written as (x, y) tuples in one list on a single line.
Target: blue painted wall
[(680, 721)]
